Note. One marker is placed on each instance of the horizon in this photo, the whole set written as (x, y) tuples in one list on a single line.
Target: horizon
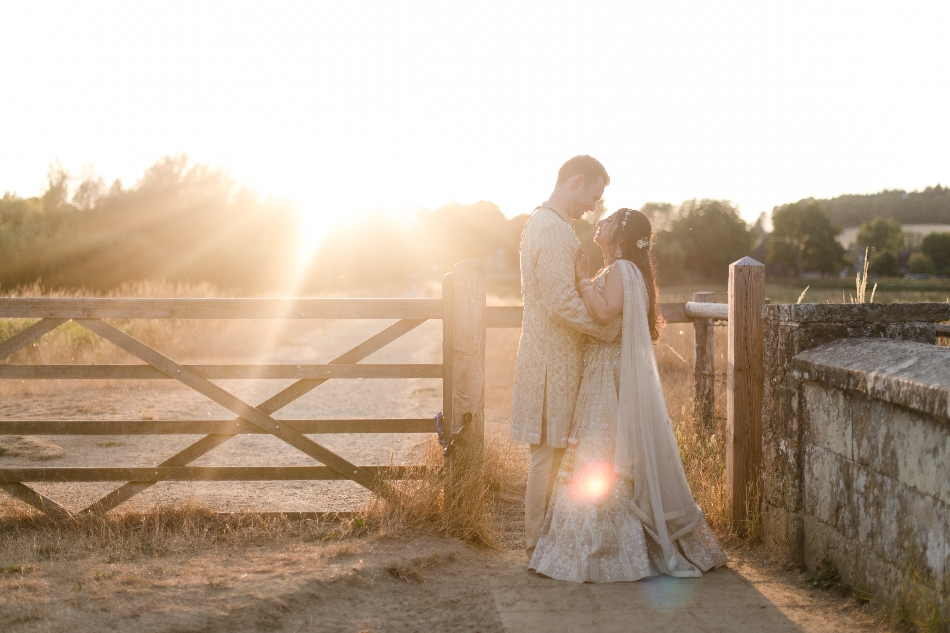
[(76, 178)]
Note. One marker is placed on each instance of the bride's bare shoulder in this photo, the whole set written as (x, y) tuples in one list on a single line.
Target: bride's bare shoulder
[(613, 279)]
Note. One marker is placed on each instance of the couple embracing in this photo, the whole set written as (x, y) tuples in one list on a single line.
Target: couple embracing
[(607, 497)]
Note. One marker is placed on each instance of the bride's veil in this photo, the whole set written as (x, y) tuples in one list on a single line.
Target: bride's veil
[(646, 447)]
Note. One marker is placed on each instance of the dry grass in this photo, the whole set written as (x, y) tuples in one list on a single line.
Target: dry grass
[(411, 570), (127, 535), (480, 506), (483, 511), (488, 509), (192, 339), (703, 453)]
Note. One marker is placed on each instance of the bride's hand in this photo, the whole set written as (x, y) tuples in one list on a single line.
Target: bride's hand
[(581, 265)]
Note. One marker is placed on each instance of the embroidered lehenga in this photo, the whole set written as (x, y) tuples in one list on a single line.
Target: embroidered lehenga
[(621, 509)]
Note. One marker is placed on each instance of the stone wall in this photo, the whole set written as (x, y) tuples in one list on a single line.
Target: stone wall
[(856, 443)]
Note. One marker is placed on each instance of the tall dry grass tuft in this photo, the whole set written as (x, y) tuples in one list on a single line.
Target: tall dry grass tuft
[(489, 507), (72, 343), (471, 504), (185, 340), (31, 537), (703, 452), (484, 511), (704, 459)]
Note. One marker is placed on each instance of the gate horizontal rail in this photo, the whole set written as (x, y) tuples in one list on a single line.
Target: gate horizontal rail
[(211, 427), (110, 308), (426, 309), (199, 473), (249, 372)]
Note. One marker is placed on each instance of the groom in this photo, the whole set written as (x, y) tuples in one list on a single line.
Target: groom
[(550, 363)]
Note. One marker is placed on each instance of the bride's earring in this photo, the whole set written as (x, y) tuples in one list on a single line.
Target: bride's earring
[(617, 252)]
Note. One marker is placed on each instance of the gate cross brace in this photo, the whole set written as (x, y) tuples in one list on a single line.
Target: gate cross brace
[(42, 503), (27, 335), (274, 403), (8, 347)]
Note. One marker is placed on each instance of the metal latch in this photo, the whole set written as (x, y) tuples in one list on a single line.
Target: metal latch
[(448, 443)]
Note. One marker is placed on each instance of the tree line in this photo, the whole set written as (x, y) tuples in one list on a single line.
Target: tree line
[(804, 239), (179, 222), (194, 223), (191, 222), (930, 206)]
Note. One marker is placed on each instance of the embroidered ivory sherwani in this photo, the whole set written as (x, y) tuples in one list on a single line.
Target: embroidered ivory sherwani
[(550, 360)]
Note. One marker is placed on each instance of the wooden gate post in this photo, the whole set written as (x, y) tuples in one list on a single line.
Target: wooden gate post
[(467, 406), (448, 349), (704, 403), (744, 393)]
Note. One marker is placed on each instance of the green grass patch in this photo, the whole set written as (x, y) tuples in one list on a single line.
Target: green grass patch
[(827, 576), (16, 569)]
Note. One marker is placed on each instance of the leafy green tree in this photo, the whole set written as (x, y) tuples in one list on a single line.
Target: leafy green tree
[(56, 197), (711, 235), (660, 215), (881, 234), (90, 191), (937, 246), (804, 239), (884, 264), (930, 206), (921, 263), (670, 259), (180, 222), (759, 227)]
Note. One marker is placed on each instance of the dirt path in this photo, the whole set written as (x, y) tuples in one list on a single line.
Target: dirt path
[(399, 586)]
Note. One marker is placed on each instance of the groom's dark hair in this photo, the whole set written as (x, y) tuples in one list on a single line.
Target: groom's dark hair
[(584, 165)]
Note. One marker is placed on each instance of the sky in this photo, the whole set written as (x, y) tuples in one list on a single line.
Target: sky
[(354, 106)]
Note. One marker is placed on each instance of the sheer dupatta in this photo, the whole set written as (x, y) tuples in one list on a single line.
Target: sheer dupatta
[(646, 449)]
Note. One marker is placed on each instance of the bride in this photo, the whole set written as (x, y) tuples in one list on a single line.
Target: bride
[(621, 508)]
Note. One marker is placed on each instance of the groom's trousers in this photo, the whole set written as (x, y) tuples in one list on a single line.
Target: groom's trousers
[(542, 473)]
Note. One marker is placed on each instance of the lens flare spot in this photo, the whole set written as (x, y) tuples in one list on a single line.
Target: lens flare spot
[(593, 483), (595, 486)]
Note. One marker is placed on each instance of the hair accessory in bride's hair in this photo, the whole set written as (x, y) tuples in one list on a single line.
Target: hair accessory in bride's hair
[(644, 243), (624, 222)]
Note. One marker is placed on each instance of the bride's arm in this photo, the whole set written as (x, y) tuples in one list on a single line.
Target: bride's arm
[(604, 308)]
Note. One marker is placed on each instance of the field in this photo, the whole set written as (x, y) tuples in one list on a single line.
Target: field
[(166, 561), (829, 290)]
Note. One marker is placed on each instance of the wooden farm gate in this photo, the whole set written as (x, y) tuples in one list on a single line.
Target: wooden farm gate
[(462, 312), (465, 319)]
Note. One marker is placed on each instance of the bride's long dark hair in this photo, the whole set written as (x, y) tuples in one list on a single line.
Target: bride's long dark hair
[(636, 228)]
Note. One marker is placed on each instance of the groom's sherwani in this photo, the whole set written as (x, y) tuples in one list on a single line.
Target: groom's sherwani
[(550, 360)]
